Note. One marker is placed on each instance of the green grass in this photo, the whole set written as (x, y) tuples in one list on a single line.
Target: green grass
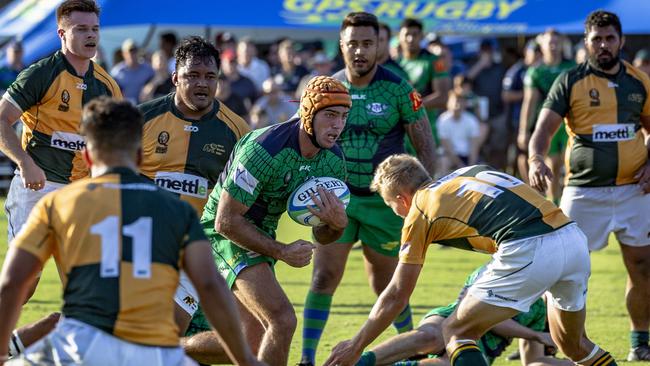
[(441, 278)]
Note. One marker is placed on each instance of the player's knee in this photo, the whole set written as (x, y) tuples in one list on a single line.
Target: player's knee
[(428, 339), (286, 321), (326, 280)]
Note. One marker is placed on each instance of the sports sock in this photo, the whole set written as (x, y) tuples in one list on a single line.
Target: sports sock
[(367, 359), (605, 360), (404, 321), (638, 338), (317, 310), (468, 354)]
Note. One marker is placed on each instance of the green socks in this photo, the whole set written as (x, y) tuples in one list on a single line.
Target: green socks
[(404, 321), (317, 310)]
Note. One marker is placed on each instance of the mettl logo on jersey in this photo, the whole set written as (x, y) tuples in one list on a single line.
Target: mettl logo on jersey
[(67, 141), (613, 132), (185, 184)]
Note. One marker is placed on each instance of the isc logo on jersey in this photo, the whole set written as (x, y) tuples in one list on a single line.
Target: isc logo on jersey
[(67, 141), (184, 184), (613, 132)]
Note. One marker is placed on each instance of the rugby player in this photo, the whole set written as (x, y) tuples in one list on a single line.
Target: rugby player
[(425, 345), (537, 84), (119, 242), (535, 249), (384, 109), (605, 105), (243, 210), (187, 139)]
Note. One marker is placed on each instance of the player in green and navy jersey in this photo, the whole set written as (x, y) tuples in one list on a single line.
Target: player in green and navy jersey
[(187, 139), (605, 104), (243, 210), (119, 242), (427, 72), (537, 84), (535, 249), (427, 343), (384, 109)]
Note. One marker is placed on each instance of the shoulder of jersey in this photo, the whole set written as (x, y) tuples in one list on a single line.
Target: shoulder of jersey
[(234, 121), (105, 77), (383, 74), (155, 107)]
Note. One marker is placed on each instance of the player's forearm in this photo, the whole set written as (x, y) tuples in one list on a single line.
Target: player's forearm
[(10, 145), (235, 227), (539, 143), (220, 309), (422, 139), (511, 329), (10, 304), (388, 306), (324, 234)]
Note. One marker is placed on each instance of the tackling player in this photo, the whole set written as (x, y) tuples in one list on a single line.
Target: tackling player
[(535, 249), (384, 109), (119, 242), (605, 105), (187, 138), (243, 210)]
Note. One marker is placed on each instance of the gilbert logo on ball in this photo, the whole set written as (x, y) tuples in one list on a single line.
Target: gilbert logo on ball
[(300, 199)]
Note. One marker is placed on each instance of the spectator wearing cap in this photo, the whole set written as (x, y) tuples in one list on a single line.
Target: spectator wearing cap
[(133, 73), (14, 66), (250, 65), (383, 52), (288, 74), (642, 60), (273, 107), (240, 85), (321, 65)]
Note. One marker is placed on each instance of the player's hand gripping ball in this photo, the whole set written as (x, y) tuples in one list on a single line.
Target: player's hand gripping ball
[(300, 199)]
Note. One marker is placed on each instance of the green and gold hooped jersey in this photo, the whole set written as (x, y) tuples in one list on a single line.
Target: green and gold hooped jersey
[(603, 119), (186, 156), (375, 126), (264, 169), (51, 97), (475, 208), (118, 242)]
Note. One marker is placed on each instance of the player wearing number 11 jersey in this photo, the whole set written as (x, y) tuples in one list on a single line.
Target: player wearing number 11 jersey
[(535, 249), (119, 242)]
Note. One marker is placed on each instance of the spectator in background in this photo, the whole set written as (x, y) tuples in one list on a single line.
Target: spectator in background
[(14, 66), (459, 133), (580, 53), (273, 107), (486, 76), (642, 60), (240, 85), (426, 71), (321, 65), (438, 48), (512, 96), (226, 42), (161, 84), (226, 96), (251, 66), (133, 73), (288, 74), (167, 45), (383, 52)]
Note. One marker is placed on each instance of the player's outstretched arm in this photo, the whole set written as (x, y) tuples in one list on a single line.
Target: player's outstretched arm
[(511, 329), (217, 302), (421, 137), (389, 304), (33, 176), (18, 273), (331, 212), (231, 223)]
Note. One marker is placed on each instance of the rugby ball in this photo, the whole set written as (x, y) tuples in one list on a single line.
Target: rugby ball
[(300, 199)]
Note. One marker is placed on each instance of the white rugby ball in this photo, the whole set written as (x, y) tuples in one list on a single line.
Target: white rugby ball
[(300, 199)]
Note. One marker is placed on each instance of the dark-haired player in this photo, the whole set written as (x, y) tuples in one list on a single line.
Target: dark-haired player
[(119, 242), (187, 139), (606, 106), (385, 108)]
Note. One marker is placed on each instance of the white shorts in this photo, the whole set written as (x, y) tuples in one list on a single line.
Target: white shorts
[(20, 201), (599, 211), (522, 270), (76, 343), (186, 296)]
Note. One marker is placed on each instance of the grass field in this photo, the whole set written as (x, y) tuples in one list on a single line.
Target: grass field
[(442, 276)]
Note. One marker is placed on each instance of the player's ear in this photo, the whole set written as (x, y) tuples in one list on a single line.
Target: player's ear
[(174, 78), (86, 157)]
